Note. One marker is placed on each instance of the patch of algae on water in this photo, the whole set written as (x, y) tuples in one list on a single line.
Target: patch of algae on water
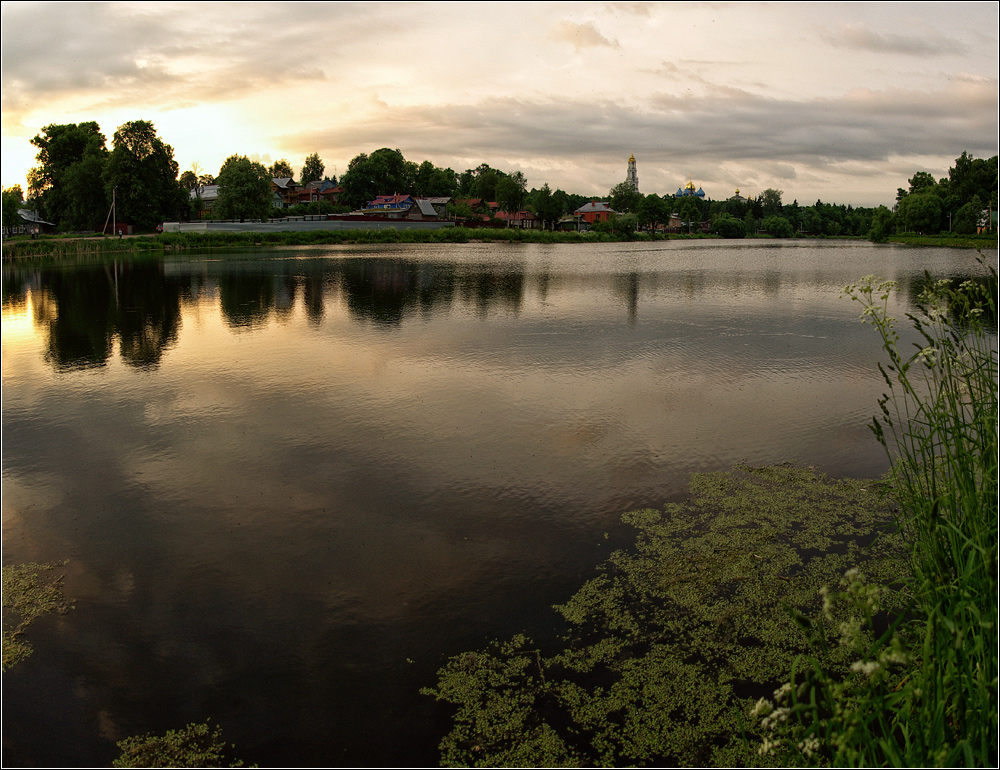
[(674, 639), (29, 591)]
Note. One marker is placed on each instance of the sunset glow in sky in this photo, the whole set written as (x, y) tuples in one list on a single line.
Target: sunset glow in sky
[(837, 101)]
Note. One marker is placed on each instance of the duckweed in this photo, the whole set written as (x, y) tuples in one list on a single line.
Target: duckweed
[(667, 648), (29, 592)]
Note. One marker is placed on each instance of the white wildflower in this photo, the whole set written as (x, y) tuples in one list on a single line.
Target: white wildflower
[(771, 720), (809, 746), (781, 692), (763, 706), (768, 747), (865, 667), (928, 355), (892, 655), (850, 633)]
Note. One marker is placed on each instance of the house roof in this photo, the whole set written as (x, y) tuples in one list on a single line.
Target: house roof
[(593, 207), (426, 207), (284, 182), (32, 216), (517, 216)]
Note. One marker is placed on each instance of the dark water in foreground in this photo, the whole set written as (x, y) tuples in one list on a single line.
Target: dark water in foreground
[(290, 483)]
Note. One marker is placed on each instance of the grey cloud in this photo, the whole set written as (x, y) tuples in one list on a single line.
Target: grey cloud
[(128, 53), (859, 37), (782, 139)]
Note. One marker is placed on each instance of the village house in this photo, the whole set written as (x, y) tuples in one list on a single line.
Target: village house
[(593, 212)]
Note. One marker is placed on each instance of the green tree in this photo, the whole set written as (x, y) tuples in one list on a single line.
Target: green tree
[(882, 225), (85, 194), (13, 199), (511, 193), (188, 180), (141, 173), (778, 227), (653, 210), (547, 207), (623, 198), (282, 169), (690, 212), (770, 201), (384, 172), (967, 217), (312, 171), (728, 227), (975, 176), (244, 190), (921, 182), (920, 212), (433, 182), (485, 182), (60, 147)]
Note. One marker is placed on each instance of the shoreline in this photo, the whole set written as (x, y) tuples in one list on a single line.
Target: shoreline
[(91, 245)]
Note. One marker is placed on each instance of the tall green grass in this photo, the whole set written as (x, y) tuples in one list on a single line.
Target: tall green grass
[(922, 690)]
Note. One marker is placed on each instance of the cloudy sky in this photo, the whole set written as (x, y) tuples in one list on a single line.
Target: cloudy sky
[(838, 101)]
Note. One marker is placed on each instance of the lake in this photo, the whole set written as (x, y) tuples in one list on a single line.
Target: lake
[(291, 482)]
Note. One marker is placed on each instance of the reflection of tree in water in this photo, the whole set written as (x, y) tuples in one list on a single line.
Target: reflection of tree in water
[(84, 308), (384, 290), (246, 297), (493, 289), (284, 296), (149, 314), (81, 331), (313, 288), (627, 287), (15, 288)]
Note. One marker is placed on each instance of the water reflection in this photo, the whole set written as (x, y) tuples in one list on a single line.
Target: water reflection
[(86, 309), (303, 469)]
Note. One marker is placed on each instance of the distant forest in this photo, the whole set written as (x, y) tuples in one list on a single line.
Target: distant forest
[(78, 178)]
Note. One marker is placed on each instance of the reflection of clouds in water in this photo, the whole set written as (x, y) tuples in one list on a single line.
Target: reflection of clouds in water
[(318, 480)]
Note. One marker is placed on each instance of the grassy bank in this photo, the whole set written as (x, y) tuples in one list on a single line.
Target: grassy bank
[(54, 246), (948, 240)]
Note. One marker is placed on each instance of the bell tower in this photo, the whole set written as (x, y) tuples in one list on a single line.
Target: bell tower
[(632, 177)]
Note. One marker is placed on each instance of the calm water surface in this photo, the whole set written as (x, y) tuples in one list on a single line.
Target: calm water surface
[(291, 482)]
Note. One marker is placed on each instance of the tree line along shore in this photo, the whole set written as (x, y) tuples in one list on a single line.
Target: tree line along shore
[(79, 185)]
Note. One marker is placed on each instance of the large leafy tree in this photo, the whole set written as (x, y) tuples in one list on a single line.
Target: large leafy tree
[(60, 149), (313, 169), (244, 189), (384, 172), (511, 192), (142, 175), (653, 210), (87, 203), (690, 212), (770, 201), (624, 198), (548, 207), (13, 199), (282, 169), (431, 181), (920, 212), (974, 177)]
